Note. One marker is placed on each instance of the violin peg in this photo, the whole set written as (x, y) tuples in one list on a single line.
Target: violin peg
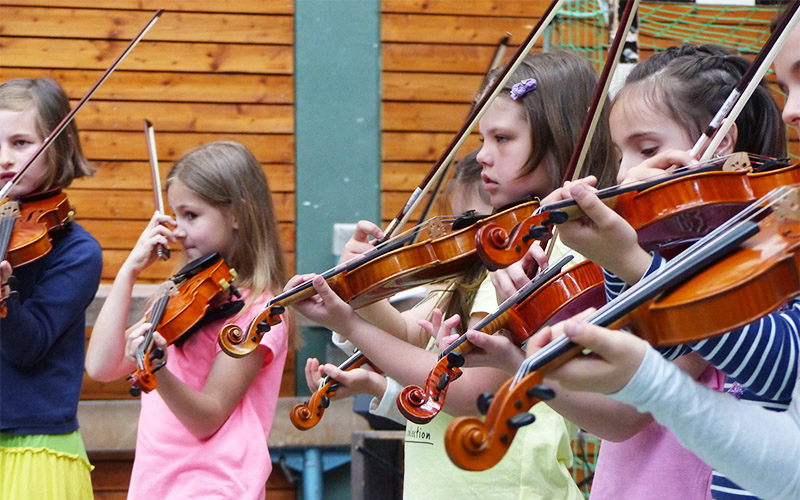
[(277, 310), (455, 360), (235, 292), (157, 353), (444, 379), (333, 388), (557, 217), (12, 281), (484, 401), (135, 391), (262, 326), (521, 420), (541, 392), (324, 402)]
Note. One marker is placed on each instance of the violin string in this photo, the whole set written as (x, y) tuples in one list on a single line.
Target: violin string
[(646, 285), (6, 230), (532, 285), (156, 315)]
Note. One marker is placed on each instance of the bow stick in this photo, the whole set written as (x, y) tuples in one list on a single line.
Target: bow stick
[(739, 96), (71, 115), (158, 198), (472, 119)]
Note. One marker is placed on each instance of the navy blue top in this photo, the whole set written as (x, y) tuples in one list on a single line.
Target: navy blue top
[(43, 336)]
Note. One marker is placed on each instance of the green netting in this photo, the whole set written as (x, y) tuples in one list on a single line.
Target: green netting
[(582, 26)]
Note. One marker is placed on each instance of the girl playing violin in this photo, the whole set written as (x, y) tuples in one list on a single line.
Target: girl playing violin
[(528, 135), (662, 105), (43, 335), (203, 432), (764, 375), (464, 194)]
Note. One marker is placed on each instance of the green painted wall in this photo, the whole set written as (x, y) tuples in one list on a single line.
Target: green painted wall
[(337, 129)]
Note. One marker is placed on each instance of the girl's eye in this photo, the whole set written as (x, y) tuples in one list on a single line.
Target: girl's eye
[(649, 152), (190, 215), (501, 138), (20, 142)]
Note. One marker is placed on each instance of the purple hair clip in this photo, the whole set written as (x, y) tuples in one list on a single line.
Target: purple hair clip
[(522, 88)]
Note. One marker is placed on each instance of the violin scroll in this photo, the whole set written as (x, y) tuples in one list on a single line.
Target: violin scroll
[(233, 340), (474, 444)]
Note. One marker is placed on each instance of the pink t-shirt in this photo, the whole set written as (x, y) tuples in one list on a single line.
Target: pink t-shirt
[(653, 464), (233, 463)]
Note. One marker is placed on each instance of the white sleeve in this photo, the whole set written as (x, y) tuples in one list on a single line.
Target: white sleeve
[(757, 449), (343, 344), (386, 406)]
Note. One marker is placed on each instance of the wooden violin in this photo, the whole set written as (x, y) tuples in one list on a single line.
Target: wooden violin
[(552, 296), (26, 227), (378, 274), (308, 414), (665, 212), (182, 302), (734, 276)]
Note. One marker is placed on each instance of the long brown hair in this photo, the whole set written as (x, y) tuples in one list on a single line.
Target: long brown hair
[(555, 112), (226, 174)]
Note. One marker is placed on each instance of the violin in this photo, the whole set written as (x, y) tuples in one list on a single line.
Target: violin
[(182, 302), (27, 225), (665, 212), (552, 296), (737, 274), (384, 271), (308, 414)]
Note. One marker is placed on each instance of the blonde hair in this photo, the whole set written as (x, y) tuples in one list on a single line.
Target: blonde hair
[(65, 160), (555, 111), (225, 174)]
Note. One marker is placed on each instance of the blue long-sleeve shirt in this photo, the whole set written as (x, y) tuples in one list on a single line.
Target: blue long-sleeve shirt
[(43, 336)]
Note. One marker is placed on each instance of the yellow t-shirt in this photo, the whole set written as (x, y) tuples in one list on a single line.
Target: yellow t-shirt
[(534, 468)]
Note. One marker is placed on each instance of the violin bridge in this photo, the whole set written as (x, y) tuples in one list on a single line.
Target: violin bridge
[(9, 209), (436, 228), (737, 162)]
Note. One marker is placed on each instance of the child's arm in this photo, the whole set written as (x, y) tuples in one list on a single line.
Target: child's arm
[(406, 363), (203, 411), (105, 356), (351, 382), (66, 281), (754, 447)]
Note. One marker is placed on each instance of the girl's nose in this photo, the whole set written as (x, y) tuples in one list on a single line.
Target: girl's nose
[(6, 160), (483, 157), (791, 111)]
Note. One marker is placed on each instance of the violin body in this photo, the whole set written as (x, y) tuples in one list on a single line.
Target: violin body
[(25, 228), (34, 217), (371, 279), (666, 212), (561, 297), (184, 301), (752, 281)]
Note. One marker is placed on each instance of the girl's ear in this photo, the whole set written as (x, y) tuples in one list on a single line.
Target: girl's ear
[(728, 144)]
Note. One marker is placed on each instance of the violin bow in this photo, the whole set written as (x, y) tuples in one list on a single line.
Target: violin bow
[(502, 45), (578, 158), (71, 115), (472, 119), (158, 198), (739, 96)]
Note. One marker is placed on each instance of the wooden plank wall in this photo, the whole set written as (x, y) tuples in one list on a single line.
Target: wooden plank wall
[(208, 70), (434, 56)]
